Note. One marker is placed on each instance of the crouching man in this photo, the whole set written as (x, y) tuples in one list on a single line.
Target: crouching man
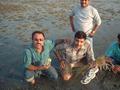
[(37, 59), (113, 54), (74, 53)]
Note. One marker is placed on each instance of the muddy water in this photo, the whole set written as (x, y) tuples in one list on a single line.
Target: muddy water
[(18, 19)]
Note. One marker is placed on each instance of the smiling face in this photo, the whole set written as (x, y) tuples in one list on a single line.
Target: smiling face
[(84, 3), (79, 39), (38, 40), (79, 42)]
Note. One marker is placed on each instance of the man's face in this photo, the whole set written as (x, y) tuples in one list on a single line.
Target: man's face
[(38, 40), (84, 3), (79, 42)]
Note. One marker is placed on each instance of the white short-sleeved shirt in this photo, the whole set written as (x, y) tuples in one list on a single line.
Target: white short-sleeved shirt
[(85, 18)]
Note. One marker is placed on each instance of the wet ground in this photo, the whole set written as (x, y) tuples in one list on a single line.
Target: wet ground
[(18, 19)]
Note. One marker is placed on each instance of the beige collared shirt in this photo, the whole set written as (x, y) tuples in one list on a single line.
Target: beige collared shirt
[(72, 55)]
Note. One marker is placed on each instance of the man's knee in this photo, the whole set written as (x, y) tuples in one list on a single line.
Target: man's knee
[(55, 77), (52, 73), (66, 77), (29, 75)]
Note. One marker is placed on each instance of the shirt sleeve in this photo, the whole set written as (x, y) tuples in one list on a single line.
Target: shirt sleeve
[(72, 11), (27, 58), (97, 18)]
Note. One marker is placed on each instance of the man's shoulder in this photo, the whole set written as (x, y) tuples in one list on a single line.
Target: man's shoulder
[(28, 48), (77, 6), (48, 41), (114, 43), (49, 44), (67, 43), (92, 8), (87, 42)]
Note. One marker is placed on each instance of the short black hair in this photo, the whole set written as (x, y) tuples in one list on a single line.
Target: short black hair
[(39, 32), (80, 35), (118, 36)]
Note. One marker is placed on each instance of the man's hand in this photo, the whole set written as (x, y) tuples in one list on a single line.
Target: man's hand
[(92, 64), (72, 65), (45, 67), (108, 60), (95, 28), (62, 64), (92, 34)]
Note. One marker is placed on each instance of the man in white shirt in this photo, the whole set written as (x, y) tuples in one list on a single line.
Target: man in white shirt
[(85, 18)]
